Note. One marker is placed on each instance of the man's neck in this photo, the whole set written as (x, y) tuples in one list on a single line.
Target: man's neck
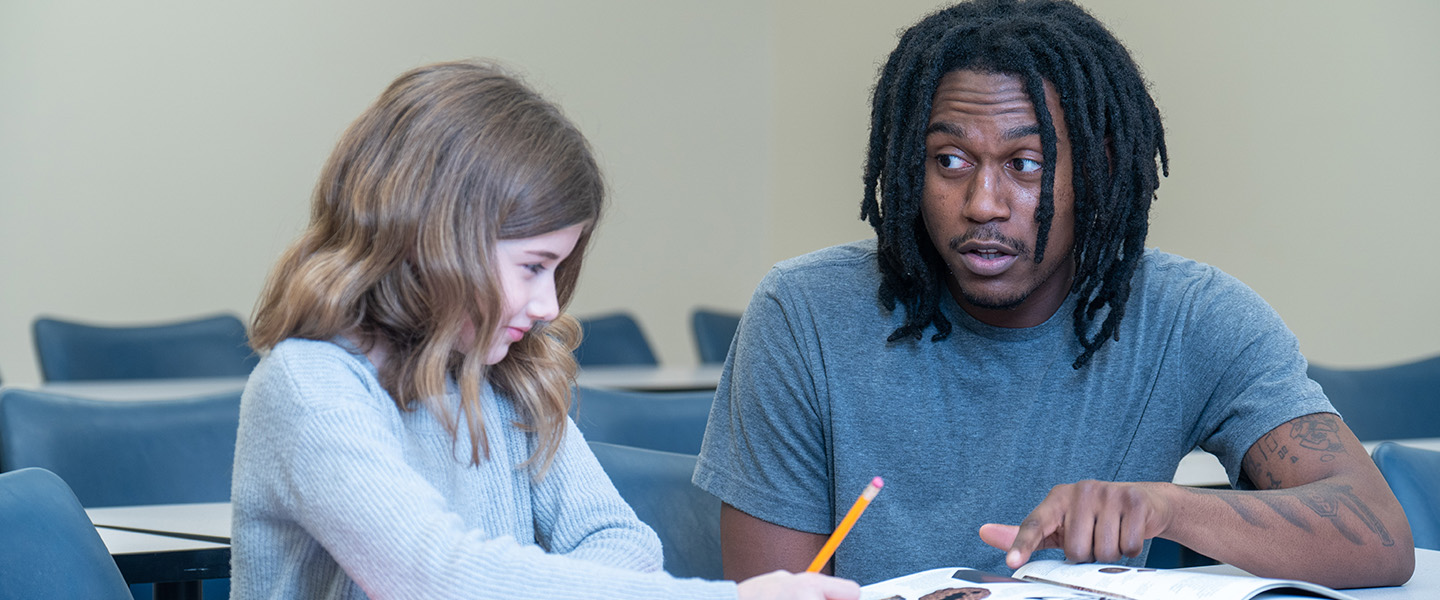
[(1036, 308)]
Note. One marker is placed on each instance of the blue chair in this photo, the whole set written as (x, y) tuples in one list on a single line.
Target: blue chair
[(614, 339), (714, 331), (1414, 476), (657, 485), (50, 549), (115, 453), (667, 421), (207, 347), (1387, 403)]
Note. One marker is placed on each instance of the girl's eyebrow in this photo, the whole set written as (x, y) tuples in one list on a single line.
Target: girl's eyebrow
[(546, 254)]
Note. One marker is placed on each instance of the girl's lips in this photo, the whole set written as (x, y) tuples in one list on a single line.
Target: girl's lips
[(515, 333)]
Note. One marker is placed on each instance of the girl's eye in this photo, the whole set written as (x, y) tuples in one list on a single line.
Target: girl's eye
[(1025, 165), (949, 161), (535, 268)]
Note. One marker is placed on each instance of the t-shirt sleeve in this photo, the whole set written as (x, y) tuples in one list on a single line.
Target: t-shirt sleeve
[(1239, 347), (766, 451)]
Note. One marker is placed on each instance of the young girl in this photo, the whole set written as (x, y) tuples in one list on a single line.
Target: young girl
[(405, 435)]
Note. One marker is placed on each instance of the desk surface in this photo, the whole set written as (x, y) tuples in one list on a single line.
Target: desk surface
[(653, 379), (1424, 585), (145, 389), (207, 522)]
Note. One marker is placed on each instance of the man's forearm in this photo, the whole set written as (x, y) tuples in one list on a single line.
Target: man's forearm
[(1341, 531)]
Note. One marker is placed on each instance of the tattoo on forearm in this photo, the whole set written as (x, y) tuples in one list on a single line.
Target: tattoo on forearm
[(1291, 513), (1328, 506), (1325, 501), (1237, 504)]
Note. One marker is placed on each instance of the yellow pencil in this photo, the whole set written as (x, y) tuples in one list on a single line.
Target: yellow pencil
[(838, 536)]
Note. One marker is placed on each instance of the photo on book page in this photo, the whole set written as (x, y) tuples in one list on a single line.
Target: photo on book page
[(966, 584), (1051, 579)]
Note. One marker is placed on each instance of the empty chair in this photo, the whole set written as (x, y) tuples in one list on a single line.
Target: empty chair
[(1386, 403), (124, 452), (50, 549), (115, 453), (1414, 476), (657, 485), (207, 347), (714, 331), (668, 421), (614, 339)]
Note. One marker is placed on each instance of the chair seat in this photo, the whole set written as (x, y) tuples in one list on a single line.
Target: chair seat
[(1387, 403), (207, 347), (614, 339), (1414, 476), (50, 549), (714, 331), (668, 421), (657, 486)]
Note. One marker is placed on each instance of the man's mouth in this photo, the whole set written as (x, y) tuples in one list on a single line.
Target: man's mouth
[(986, 258)]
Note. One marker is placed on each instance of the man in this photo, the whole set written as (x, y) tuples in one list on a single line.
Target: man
[(1028, 376)]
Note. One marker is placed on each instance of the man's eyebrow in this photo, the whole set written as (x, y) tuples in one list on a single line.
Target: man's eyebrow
[(954, 130), (949, 129), (1016, 133)]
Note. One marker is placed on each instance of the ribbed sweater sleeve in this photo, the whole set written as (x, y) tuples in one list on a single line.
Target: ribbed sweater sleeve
[(337, 492)]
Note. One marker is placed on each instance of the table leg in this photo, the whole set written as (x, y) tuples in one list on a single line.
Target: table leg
[(178, 590)]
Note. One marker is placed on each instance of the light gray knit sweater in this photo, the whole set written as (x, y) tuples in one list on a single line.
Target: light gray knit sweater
[(337, 494)]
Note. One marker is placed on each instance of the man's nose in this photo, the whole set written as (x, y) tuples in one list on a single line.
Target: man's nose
[(985, 198)]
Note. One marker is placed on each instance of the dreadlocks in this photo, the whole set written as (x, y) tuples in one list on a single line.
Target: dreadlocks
[(1115, 136)]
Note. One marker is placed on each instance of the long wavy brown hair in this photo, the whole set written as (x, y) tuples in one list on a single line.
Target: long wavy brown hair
[(449, 159)]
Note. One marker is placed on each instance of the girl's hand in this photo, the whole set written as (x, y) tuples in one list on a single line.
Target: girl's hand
[(783, 585)]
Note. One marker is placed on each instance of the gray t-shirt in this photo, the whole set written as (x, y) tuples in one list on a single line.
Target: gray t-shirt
[(978, 427)]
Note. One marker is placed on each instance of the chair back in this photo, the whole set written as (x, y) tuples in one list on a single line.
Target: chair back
[(1414, 476), (50, 549), (207, 347), (124, 452), (714, 330), (667, 421), (1387, 403), (614, 339), (657, 486)]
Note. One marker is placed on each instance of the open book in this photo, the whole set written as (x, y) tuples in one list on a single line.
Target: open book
[(1056, 580)]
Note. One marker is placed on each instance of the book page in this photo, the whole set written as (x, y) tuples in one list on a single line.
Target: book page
[(965, 584), (1133, 583)]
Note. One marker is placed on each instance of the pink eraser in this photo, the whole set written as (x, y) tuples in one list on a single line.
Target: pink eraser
[(877, 482)]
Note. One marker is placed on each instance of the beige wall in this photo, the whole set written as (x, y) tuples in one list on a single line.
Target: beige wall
[(155, 157)]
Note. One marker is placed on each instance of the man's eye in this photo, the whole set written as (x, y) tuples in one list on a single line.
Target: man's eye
[(1025, 165), (949, 161)]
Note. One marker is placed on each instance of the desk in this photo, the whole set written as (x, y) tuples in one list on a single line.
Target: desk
[(206, 521), (174, 565), (651, 379), (1200, 468), (648, 379), (144, 389), (1424, 585)]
